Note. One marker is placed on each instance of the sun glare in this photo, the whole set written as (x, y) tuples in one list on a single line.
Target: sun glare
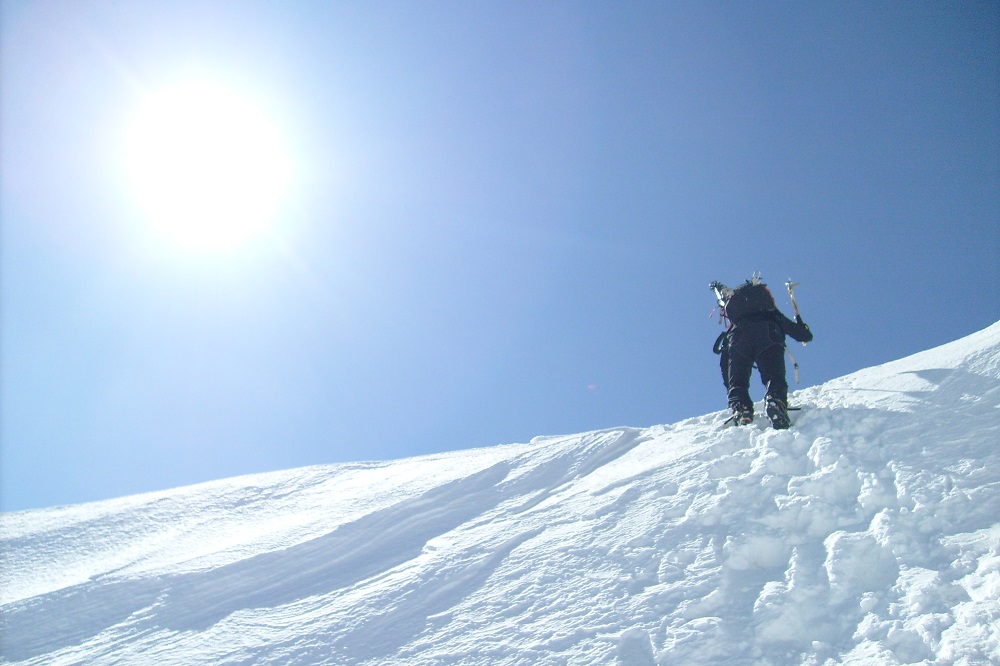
[(208, 167)]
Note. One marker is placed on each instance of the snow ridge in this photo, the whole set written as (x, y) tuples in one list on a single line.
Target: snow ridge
[(868, 533)]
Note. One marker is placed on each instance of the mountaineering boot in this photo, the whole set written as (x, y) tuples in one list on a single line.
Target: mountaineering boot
[(777, 412), (742, 415)]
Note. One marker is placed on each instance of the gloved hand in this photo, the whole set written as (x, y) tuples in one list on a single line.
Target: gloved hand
[(798, 320)]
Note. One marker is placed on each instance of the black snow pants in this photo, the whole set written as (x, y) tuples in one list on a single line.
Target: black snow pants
[(759, 341)]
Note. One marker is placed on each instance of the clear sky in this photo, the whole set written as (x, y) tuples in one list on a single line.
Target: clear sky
[(248, 236)]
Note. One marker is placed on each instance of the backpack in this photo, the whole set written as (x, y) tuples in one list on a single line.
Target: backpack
[(749, 299)]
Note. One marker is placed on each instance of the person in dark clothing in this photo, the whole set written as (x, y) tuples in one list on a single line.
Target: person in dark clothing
[(757, 336)]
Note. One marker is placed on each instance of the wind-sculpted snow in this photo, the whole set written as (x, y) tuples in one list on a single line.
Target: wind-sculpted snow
[(869, 533)]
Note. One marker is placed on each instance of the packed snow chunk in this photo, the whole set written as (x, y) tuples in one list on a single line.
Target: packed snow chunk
[(635, 649), (756, 552), (857, 563), (975, 634), (823, 453), (878, 491), (837, 484), (910, 626), (795, 611)]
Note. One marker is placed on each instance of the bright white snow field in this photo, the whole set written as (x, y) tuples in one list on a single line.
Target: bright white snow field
[(869, 533)]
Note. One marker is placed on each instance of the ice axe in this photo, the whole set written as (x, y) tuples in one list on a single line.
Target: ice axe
[(791, 294)]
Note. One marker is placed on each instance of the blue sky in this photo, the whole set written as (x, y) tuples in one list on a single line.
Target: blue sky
[(502, 223)]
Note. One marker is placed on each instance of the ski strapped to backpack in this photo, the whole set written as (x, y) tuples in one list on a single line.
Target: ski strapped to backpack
[(722, 294)]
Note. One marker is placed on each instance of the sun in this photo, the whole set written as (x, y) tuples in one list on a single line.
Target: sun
[(208, 168)]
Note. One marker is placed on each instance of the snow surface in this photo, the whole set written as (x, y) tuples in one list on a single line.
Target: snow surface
[(867, 534)]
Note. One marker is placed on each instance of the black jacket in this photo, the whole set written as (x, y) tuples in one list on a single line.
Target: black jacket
[(797, 329)]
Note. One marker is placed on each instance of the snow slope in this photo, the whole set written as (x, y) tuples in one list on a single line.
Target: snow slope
[(867, 534)]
